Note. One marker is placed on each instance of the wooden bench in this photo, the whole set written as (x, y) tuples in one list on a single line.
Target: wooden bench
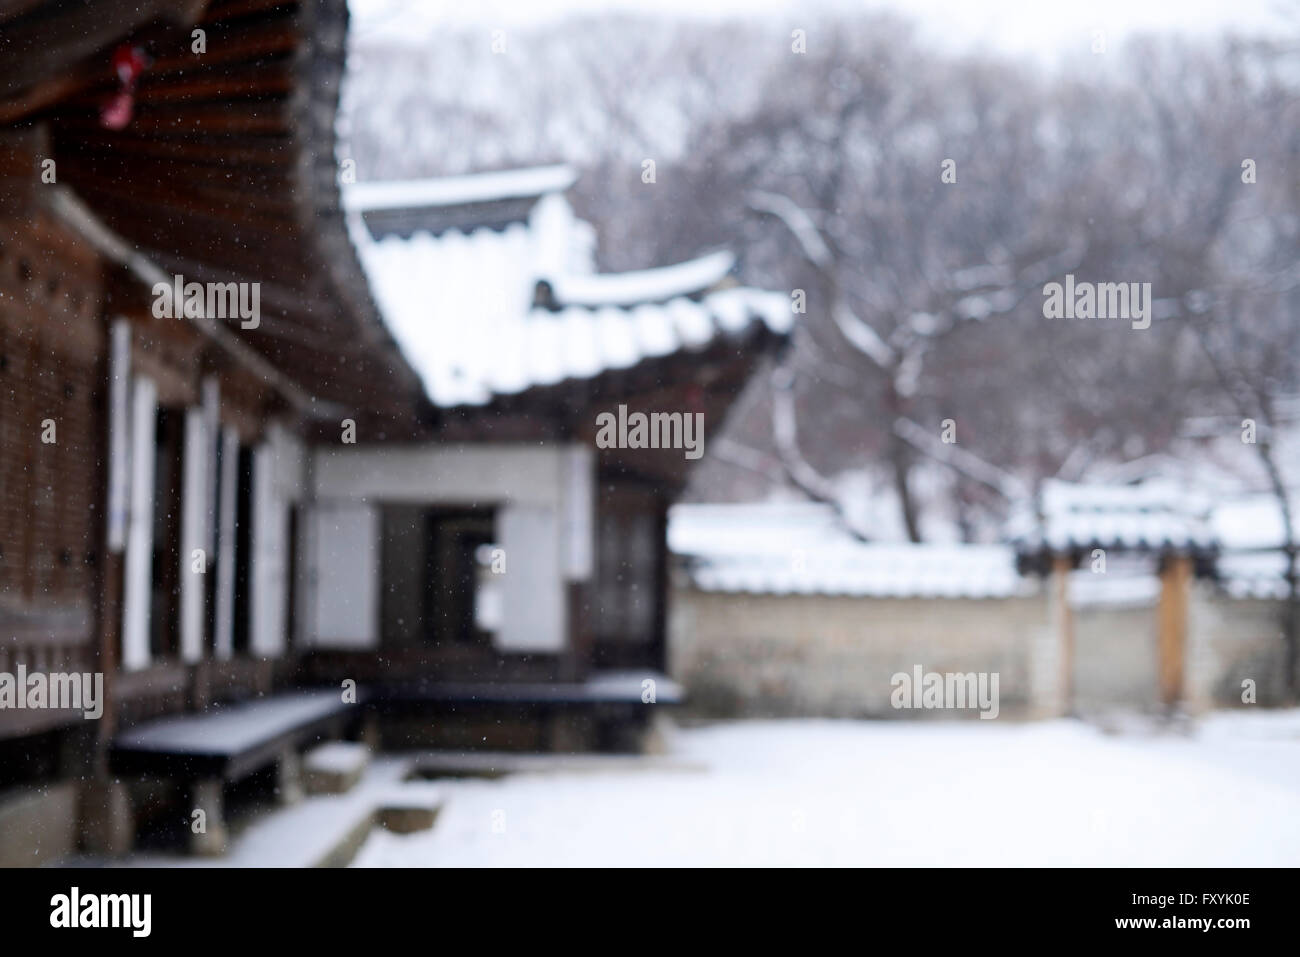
[(229, 743), (606, 710), (600, 688)]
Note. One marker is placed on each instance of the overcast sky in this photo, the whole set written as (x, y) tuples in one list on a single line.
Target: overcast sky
[(1043, 29)]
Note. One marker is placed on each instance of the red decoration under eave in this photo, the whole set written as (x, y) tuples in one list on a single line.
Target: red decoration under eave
[(128, 63), (116, 111)]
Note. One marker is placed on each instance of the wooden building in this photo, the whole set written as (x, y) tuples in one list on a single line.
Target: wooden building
[(151, 465), (222, 483), (545, 555)]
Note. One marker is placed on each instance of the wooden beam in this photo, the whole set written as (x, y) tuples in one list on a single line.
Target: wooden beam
[(9, 9), (152, 221), (21, 152), (246, 117), (1061, 567), (50, 91), (45, 42), (229, 9), (260, 40), (233, 155), (1171, 617), (66, 205)]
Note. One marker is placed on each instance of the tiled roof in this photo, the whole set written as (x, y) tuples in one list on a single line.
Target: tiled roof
[(1152, 516), (464, 306), (645, 285), (459, 190), (1253, 574), (1253, 535), (783, 550)]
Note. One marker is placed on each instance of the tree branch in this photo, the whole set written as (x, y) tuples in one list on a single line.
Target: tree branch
[(964, 463), (785, 432)]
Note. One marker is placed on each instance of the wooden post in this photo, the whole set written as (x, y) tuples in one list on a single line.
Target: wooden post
[(1061, 566), (208, 832), (110, 531), (288, 770), (577, 661), (138, 569), (1175, 580)]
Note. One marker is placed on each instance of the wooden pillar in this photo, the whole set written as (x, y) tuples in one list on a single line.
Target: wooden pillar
[(288, 772), (137, 597), (661, 585), (1171, 624), (110, 533), (197, 468), (579, 503), (208, 832), (29, 414), (223, 639), (1061, 567), (576, 663)]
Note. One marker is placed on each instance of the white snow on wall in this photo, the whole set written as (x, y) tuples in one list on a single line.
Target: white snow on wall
[(800, 549)]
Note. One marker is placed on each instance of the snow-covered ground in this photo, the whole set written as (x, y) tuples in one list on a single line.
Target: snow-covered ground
[(893, 793)]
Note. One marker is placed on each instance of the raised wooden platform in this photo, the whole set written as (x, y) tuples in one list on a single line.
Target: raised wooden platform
[(609, 711), (233, 741), (601, 688)]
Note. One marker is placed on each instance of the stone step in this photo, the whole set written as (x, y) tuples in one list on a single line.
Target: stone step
[(334, 767), (409, 809), (38, 824)]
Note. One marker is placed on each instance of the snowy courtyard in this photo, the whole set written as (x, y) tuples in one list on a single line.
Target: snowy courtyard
[(639, 434), (856, 793)]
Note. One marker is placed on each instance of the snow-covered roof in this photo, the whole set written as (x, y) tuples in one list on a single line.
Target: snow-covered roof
[(644, 285), (1251, 522), (1242, 535), (869, 570), (1253, 574), (464, 307), (458, 190), (1150, 516), (745, 528), (1252, 532), (781, 549)]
